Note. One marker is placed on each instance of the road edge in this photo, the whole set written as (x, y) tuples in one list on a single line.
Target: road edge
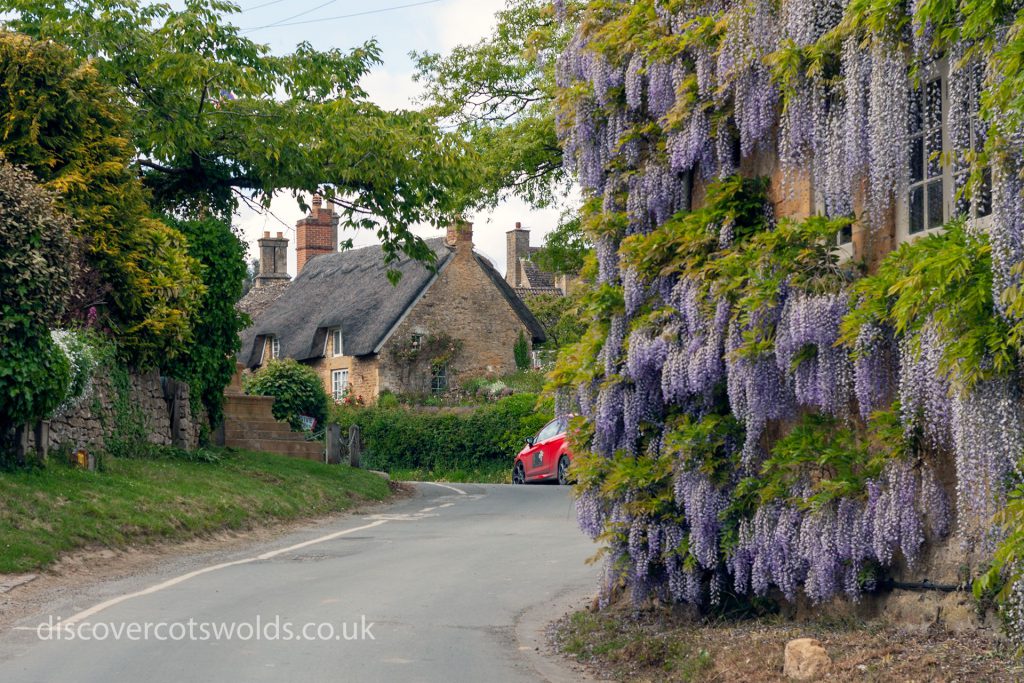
[(531, 635)]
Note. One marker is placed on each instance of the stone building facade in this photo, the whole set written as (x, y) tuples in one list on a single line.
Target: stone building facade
[(363, 335)]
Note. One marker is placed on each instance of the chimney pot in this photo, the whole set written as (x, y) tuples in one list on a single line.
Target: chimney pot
[(280, 235), (266, 233), (518, 225)]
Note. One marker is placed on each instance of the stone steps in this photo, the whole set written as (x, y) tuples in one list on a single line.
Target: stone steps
[(249, 424)]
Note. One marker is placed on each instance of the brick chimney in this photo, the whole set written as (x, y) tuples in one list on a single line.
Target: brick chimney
[(517, 246), (316, 234), (273, 259)]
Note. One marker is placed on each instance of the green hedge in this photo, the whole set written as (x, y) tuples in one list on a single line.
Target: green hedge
[(397, 438)]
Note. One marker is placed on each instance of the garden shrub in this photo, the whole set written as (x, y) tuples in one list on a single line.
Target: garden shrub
[(71, 131), (207, 362), (521, 351), (397, 438), (81, 349), (35, 278), (297, 389)]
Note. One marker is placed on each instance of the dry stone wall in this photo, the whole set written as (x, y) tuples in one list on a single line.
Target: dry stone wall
[(92, 422)]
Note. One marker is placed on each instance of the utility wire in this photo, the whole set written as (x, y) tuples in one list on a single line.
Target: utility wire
[(265, 4), (286, 22)]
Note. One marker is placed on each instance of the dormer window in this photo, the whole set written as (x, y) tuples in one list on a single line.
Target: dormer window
[(336, 345)]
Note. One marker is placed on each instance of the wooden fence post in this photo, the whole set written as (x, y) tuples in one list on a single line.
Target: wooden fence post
[(333, 444), (42, 441), (355, 446)]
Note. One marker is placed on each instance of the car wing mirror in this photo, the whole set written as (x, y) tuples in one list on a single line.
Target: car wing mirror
[(529, 441)]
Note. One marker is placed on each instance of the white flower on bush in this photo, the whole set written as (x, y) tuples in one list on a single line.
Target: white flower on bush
[(496, 387), (82, 361)]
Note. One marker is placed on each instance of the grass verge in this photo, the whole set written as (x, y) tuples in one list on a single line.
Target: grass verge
[(53, 510), (665, 645), (496, 473)]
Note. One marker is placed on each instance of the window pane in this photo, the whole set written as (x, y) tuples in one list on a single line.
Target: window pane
[(917, 209), (933, 103), (845, 236), (933, 151), (935, 213), (916, 116), (916, 159)]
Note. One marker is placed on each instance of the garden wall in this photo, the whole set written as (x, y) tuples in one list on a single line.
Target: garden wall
[(144, 403)]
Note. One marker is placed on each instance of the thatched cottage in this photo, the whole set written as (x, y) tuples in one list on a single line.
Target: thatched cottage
[(364, 335)]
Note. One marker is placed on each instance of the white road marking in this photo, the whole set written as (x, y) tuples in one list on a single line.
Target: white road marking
[(428, 509), (444, 486), (377, 521), (96, 609)]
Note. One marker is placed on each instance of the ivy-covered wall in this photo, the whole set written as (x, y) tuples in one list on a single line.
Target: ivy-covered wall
[(121, 410), (762, 417)]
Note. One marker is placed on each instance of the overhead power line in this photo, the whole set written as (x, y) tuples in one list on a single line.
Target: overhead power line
[(288, 22)]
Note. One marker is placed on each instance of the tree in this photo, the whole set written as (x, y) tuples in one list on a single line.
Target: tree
[(565, 248), (499, 93), (35, 249), (521, 352), (560, 317), (219, 118), (208, 361), (70, 130)]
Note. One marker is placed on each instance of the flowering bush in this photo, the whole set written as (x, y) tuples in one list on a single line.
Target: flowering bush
[(713, 330), (83, 355)]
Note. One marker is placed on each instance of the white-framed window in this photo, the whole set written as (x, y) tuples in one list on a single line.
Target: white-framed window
[(417, 341), (926, 205), (931, 199), (336, 347), (273, 347), (339, 383), (438, 379)]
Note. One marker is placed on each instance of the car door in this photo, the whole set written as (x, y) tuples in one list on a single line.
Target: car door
[(536, 461), (550, 448)]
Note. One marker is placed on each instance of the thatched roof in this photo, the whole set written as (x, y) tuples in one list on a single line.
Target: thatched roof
[(350, 290)]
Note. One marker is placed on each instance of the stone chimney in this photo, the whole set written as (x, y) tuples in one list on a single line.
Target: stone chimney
[(316, 234), (273, 260), (460, 236), (517, 246)]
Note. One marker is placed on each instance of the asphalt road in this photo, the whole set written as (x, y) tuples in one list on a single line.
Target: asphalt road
[(453, 584)]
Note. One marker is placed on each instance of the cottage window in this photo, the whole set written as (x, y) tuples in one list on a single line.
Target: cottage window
[(438, 379), (417, 341), (927, 208), (339, 383), (336, 347), (930, 202)]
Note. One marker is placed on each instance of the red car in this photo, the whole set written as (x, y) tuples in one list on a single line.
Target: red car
[(546, 456)]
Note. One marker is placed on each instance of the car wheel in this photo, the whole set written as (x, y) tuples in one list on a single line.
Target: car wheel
[(563, 471), (518, 475)]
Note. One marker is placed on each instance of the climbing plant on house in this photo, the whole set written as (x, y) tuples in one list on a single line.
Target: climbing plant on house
[(713, 329)]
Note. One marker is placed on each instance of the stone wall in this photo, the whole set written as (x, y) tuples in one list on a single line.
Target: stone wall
[(464, 304), (89, 424)]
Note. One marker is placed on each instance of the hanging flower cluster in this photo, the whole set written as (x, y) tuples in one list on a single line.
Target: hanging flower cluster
[(658, 103)]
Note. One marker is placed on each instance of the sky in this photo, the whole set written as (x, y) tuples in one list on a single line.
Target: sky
[(431, 25)]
